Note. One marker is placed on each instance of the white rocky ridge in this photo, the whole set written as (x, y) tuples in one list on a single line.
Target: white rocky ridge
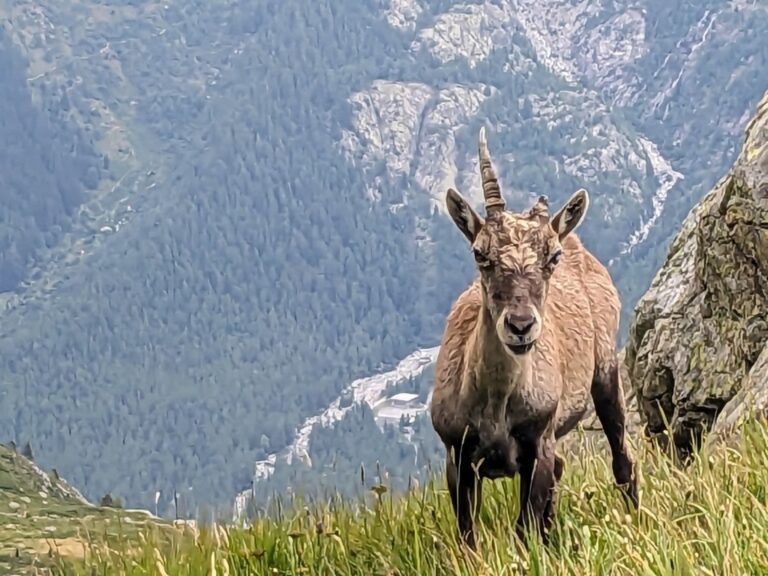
[(609, 48), (436, 168), (469, 32), (551, 27), (410, 128), (602, 147), (558, 30), (387, 119), (403, 13)]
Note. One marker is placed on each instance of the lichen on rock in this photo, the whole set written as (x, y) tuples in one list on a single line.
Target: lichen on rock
[(699, 331)]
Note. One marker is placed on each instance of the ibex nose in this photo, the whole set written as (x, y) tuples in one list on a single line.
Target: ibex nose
[(519, 325)]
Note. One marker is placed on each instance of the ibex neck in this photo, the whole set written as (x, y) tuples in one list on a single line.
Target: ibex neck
[(490, 369), (490, 377)]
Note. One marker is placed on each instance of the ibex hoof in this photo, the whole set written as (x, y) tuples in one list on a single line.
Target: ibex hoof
[(629, 491)]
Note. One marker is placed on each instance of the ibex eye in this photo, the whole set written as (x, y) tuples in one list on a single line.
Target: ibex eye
[(555, 258)]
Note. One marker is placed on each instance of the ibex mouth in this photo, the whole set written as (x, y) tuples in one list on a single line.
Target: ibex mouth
[(520, 349)]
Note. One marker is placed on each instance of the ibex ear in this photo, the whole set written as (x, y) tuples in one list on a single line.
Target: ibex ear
[(571, 214), (468, 221)]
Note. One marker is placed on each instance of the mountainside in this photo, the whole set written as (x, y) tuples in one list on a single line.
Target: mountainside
[(216, 216), (61, 170), (699, 341), (44, 520)]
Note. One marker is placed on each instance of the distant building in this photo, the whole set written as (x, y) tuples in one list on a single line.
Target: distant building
[(391, 410), (404, 400)]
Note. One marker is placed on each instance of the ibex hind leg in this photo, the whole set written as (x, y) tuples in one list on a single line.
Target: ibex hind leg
[(559, 467), (608, 397)]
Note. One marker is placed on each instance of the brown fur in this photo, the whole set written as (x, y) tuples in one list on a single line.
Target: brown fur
[(525, 347)]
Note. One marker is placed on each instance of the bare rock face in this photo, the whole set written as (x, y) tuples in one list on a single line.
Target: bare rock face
[(750, 401), (698, 348)]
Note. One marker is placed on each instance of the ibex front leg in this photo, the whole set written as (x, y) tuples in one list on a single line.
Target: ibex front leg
[(466, 489), (537, 486), (552, 504)]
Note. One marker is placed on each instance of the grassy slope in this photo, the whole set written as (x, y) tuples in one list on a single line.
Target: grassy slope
[(39, 513), (709, 519)]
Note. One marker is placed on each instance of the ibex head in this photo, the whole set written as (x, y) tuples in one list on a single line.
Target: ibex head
[(516, 254)]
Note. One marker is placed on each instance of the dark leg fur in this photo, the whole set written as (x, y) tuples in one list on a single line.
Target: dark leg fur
[(549, 511), (466, 490), (537, 487), (559, 467), (609, 405)]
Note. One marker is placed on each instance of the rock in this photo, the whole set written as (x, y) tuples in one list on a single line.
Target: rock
[(750, 401), (699, 339)]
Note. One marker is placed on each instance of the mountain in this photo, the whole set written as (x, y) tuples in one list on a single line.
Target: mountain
[(645, 90), (709, 515), (697, 354), (216, 216)]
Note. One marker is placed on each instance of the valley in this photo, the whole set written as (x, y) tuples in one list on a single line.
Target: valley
[(220, 219)]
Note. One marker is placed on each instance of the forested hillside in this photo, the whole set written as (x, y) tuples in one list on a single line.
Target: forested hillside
[(217, 215), (47, 165), (354, 454), (250, 283)]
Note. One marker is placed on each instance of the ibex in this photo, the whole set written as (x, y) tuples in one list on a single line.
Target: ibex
[(525, 346)]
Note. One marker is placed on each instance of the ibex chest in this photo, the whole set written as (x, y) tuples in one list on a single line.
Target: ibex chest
[(535, 401)]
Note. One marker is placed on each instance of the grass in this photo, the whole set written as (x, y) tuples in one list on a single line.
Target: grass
[(710, 518)]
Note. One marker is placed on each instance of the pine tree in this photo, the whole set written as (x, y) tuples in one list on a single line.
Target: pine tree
[(27, 452)]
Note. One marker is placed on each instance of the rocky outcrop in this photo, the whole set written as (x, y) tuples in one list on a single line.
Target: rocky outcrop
[(410, 129), (698, 349)]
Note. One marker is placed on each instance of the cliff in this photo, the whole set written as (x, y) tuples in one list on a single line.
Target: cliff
[(697, 354)]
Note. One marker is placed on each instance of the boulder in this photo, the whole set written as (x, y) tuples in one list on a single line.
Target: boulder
[(698, 344)]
